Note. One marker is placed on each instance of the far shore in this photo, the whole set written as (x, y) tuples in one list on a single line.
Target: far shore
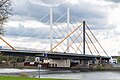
[(25, 78)]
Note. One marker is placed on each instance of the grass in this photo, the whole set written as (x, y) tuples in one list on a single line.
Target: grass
[(24, 78)]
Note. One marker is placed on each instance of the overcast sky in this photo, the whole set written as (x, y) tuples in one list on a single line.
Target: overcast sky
[(102, 16)]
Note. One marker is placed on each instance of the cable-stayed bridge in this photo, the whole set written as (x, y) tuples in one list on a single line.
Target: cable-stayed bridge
[(77, 42)]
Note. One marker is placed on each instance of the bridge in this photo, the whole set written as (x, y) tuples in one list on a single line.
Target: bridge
[(51, 55), (58, 58)]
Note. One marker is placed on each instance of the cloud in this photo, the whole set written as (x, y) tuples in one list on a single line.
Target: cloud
[(33, 29), (114, 1), (102, 16), (28, 32), (92, 13), (27, 29), (50, 3), (25, 43), (27, 10), (54, 1)]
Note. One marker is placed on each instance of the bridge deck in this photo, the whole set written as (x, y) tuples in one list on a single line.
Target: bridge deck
[(53, 55)]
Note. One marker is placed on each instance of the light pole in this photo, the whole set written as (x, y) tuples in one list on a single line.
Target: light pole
[(39, 67)]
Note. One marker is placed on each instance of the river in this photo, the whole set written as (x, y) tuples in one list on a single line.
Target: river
[(66, 74)]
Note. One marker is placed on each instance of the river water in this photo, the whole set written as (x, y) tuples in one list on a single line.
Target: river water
[(66, 74)]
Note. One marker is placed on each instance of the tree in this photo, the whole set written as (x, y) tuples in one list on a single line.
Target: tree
[(5, 8), (21, 59), (118, 59)]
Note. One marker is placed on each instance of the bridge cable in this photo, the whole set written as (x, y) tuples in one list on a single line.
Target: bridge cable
[(74, 41), (57, 20), (37, 31), (77, 33), (77, 39), (96, 40), (66, 32), (63, 33), (69, 37), (44, 16), (92, 43), (7, 43), (91, 46), (81, 38), (88, 47), (66, 37), (57, 41)]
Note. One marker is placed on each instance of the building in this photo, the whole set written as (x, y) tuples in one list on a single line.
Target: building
[(74, 62), (114, 59), (58, 62)]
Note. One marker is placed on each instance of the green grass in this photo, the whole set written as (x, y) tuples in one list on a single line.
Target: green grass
[(24, 78)]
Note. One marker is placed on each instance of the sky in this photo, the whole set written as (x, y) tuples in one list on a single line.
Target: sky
[(29, 27)]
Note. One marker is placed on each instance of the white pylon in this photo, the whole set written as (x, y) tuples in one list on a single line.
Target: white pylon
[(51, 31), (68, 22)]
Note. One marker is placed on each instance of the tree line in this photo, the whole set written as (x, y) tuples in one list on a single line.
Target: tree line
[(5, 9)]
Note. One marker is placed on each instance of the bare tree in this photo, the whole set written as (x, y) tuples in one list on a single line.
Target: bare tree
[(4, 13)]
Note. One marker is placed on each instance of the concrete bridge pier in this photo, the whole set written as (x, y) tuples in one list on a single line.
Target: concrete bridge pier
[(58, 63)]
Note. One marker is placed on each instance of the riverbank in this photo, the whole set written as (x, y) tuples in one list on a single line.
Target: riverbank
[(66, 74), (93, 67), (25, 78)]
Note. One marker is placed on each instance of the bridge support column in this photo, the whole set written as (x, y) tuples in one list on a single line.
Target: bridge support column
[(59, 63), (68, 21), (84, 62), (84, 37), (51, 31)]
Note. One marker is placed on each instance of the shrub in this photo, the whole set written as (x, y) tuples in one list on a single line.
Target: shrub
[(23, 74), (99, 67)]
